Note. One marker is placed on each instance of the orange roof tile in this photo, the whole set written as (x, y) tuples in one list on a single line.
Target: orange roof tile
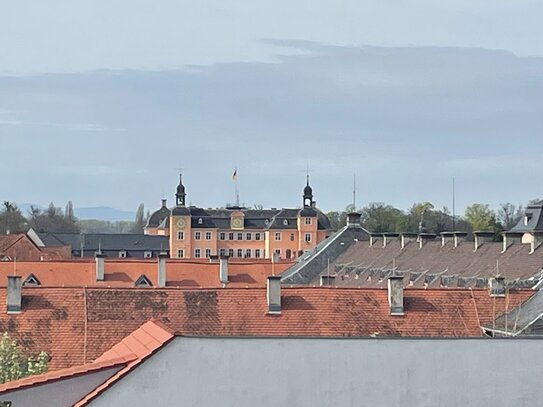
[(77, 325), (123, 273)]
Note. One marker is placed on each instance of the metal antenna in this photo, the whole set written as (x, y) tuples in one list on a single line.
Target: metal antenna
[(454, 203), (354, 191)]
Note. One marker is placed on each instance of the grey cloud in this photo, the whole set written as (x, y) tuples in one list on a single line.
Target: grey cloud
[(405, 119)]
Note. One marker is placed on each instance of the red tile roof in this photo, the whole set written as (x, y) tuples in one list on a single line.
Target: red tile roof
[(126, 355), (77, 325), (123, 273)]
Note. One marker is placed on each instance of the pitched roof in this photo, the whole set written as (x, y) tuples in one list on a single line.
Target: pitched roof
[(77, 325), (21, 247), (434, 265), (125, 272), (534, 217), (125, 355), (107, 241)]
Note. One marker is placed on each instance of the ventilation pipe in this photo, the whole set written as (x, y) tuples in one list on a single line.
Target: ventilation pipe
[(274, 295), (15, 296), (161, 277)]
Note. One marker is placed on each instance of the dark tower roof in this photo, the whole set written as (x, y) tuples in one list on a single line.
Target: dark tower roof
[(308, 190), (180, 187), (180, 195)]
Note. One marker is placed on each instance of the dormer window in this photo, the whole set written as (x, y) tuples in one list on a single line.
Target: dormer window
[(147, 254), (31, 281), (285, 222), (143, 281), (122, 254), (200, 221), (527, 219)]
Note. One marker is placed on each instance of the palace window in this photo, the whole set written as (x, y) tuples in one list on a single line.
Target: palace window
[(208, 235), (222, 236), (222, 252), (278, 251), (180, 235), (277, 235), (248, 253), (231, 252), (308, 221), (240, 236), (230, 236), (240, 253), (307, 237), (257, 236), (248, 236), (292, 237), (257, 253), (180, 253), (208, 253), (196, 253)]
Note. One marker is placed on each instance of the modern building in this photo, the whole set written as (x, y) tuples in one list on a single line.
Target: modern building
[(239, 232)]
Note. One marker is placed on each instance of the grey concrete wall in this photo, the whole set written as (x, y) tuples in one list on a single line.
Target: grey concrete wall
[(334, 372), (62, 393)]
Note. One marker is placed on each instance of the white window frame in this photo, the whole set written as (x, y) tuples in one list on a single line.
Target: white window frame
[(307, 237), (257, 236), (209, 235), (222, 252), (240, 236), (248, 236), (180, 253), (257, 253), (239, 253), (230, 235), (230, 252), (197, 253), (180, 235), (277, 236), (248, 253), (197, 235), (222, 236), (208, 253), (292, 237), (308, 221)]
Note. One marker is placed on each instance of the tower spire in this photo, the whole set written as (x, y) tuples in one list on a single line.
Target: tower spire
[(180, 196)]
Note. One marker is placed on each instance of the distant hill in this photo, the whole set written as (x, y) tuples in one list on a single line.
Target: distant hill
[(98, 212)]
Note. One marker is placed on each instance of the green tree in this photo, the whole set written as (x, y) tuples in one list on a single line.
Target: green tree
[(15, 365), (378, 217), (12, 219), (52, 220), (140, 222), (509, 215), (69, 211), (480, 217)]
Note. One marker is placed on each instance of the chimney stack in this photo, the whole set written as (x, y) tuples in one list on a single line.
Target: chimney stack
[(481, 237), (395, 295), (497, 287), (274, 294), (406, 238), (161, 277), (353, 220), (328, 280), (99, 257), (223, 269), (275, 257), (15, 296)]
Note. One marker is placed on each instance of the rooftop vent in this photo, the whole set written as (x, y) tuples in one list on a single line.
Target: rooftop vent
[(395, 295), (274, 295), (15, 296), (161, 277)]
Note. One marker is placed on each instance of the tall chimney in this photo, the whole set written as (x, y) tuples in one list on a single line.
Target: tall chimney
[(161, 277), (223, 269), (15, 296), (99, 257), (274, 294), (353, 219), (395, 295)]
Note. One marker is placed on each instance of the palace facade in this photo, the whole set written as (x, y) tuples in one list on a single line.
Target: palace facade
[(239, 232)]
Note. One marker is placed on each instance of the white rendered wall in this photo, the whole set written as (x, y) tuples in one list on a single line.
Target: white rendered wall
[(334, 372)]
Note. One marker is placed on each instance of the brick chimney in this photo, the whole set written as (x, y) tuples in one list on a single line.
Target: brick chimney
[(274, 295), (161, 276), (15, 296)]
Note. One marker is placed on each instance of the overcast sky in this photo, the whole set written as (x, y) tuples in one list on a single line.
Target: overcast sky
[(101, 101)]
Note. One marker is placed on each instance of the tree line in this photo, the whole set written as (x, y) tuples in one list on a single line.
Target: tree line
[(63, 220), (423, 217)]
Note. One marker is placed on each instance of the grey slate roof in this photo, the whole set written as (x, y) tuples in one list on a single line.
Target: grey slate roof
[(534, 213), (158, 217), (254, 218), (311, 264), (113, 242), (518, 321)]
